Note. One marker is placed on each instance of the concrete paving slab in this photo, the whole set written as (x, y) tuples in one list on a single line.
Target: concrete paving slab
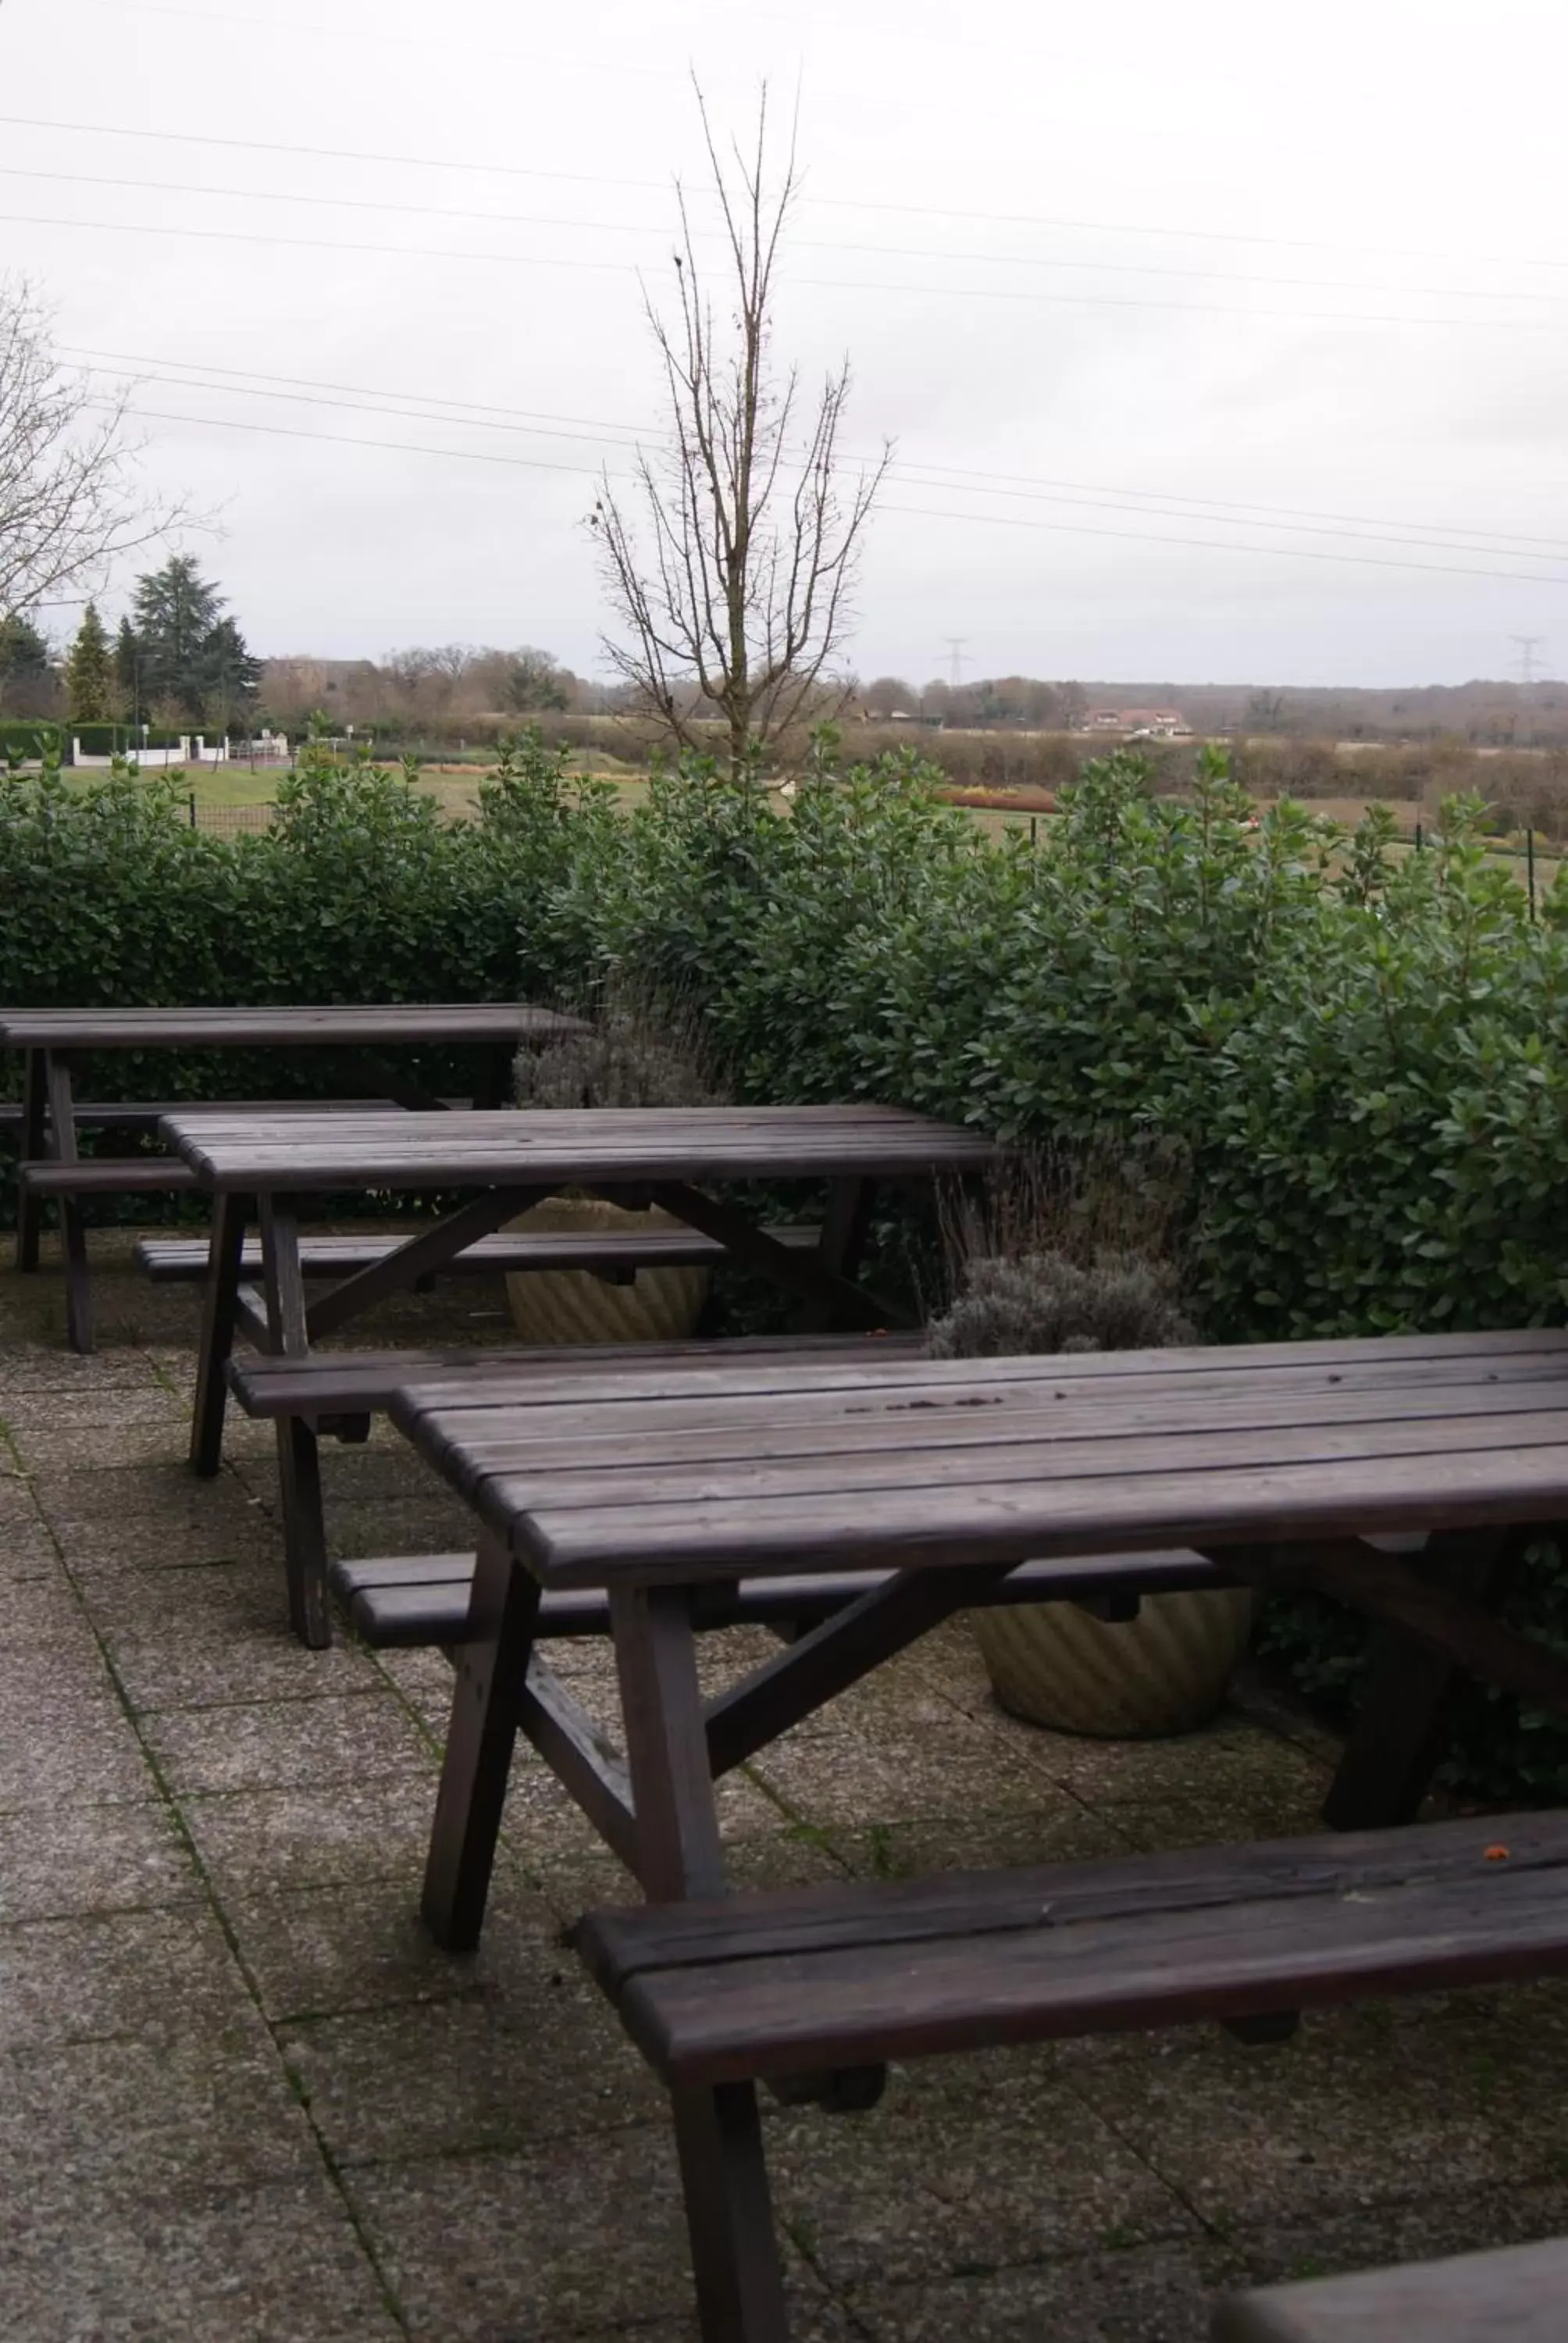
[(66, 1742), (314, 1742), (40, 1615), (161, 1976), (931, 2181), (1147, 2294), (123, 2121), (362, 1945), (1354, 2112), (164, 1491), (840, 1776), (250, 1840), (275, 2265), (533, 2056), (587, 2236), (159, 1671), (59, 1861)]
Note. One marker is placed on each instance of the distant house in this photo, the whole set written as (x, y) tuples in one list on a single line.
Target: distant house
[(1140, 723)]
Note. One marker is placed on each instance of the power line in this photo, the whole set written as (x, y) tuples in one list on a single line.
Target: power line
[(998, 520), (801, 244), (353, 440), (1148, 504), (830, 202), (1218, 545), (361, 398), (830, 284), (318, 31)]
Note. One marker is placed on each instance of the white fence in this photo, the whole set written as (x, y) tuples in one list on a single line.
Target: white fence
[(192, 749)]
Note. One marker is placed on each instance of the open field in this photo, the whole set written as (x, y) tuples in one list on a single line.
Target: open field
[(241, 790)]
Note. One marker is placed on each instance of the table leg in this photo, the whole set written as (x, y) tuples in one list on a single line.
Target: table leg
[(729, 2214), (220, 1303), (492, 1663), (61, 1148), (846, 1225), (35, 1139), (299, 1451), (1406, 1717), (496, 1087), (679, 1852)]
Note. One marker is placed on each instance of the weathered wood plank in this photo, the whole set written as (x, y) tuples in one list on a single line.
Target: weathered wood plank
[(786, 1922), (220, 1311), (108, 1175), (976, 1525), (332, 1026), (491, 1671), (430, 1251), (997, 1439), (565, 1147), (585, 1763), (793, 1684), (1518, 2294), (730, 2020), (330, 1381), (885, 1386), (677, 1851), (181, 1260), (408, 1600)]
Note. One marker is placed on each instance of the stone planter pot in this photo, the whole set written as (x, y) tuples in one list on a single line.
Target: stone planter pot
[(573, 1305), (1165, 1672)]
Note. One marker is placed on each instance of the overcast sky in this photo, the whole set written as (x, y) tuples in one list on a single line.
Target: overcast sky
[(1144, 296)]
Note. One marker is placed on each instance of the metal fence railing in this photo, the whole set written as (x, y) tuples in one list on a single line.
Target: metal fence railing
[(228, 821)]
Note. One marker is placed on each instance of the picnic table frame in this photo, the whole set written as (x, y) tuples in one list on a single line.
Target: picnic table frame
[(1281, 1463), (1276, 1461), (57, 1042), (263, 1165)]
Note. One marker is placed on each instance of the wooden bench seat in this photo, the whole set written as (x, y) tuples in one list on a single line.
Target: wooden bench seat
[(109, 1175), (616, 1258), (800, 1980), (146, 1114), (403, 1601), (344, 1384), (1516, 2295), (339, 1393), (814, 1990)]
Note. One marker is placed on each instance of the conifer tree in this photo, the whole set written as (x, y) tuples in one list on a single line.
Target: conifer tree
[(89, 672)]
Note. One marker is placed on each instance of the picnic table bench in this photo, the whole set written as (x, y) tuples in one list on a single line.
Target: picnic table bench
[(261, 1166), (1518, 2294), (55, 1043), (1279, 1464)]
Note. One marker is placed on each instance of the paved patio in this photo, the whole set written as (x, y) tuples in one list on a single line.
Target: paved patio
[(244, 2102)]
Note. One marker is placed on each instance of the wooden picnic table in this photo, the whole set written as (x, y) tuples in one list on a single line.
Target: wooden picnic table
[(57, 1042), (1277, 1460), (1281, 1463), (266, 1163)]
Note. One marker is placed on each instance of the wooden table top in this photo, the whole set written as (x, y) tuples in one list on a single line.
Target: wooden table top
[(558, 1146), (342, 1026), (773, 1468)]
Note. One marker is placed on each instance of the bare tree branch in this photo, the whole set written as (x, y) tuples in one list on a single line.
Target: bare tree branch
[(735, 591), (69, 499)]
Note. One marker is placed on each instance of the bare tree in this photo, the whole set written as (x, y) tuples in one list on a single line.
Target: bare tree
[(69, 499), (733, 562)]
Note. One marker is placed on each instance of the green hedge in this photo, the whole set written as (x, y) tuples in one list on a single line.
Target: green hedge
[(1364, 1052), (358, 891), (106, 739), (27, 738)]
